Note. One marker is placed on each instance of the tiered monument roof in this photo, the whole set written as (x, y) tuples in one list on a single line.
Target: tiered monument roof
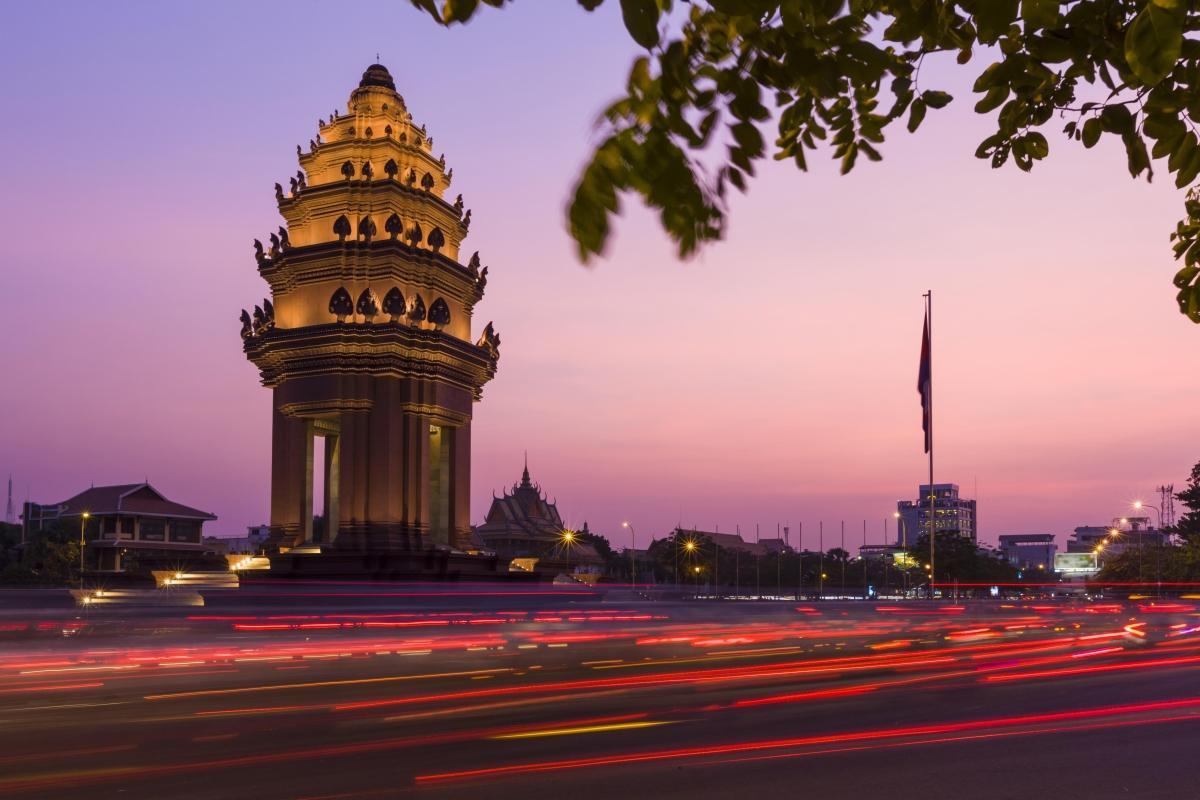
[(368, 265)]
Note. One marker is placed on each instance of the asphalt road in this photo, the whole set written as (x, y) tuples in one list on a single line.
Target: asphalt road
[(606, 699)]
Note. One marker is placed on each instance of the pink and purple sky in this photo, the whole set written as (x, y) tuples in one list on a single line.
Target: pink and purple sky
[(770, 380)]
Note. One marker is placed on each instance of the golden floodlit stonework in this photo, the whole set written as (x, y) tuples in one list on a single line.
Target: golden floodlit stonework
[(366, 338)]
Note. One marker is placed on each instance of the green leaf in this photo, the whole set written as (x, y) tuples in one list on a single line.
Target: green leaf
[(459, 10), (1116, 119), (1037, 145), (1153, 43), (1189, 302), (1185, 276), (936, 99), (641, 20), (1139, 159), (915, 115), (1091, 132), (992, 100), (993, 18), (1189, 167), (849, 158), (1040, 13), (1182, 152)]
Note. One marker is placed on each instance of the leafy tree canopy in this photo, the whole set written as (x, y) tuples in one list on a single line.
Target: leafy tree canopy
[(835, 74), (957, 558), (1188, 525)]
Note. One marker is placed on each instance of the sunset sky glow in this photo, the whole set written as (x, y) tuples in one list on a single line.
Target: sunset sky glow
[(771, 380)]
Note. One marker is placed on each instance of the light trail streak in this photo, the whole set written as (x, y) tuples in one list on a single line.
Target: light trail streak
[(52, 687), (615, 726), (642, 681), (778, 744), (1091, 669), (314, 684)]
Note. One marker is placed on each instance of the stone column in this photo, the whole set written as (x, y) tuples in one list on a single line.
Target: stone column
[(332, 486), (460, 486), (416, 479), (353, 441), (385, 508), (291, 480)]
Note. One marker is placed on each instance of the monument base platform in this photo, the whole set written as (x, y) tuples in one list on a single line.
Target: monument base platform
[(428, 565)]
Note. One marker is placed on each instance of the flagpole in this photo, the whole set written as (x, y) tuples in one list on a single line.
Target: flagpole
[(932, 493)]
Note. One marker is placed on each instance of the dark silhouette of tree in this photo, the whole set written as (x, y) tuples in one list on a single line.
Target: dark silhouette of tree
[(1188, 525), (834, 76)]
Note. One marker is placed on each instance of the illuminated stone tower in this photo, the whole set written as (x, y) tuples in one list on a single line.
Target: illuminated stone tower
[(366, 338)]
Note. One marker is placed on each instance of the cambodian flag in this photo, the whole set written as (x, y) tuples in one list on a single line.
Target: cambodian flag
[(925, 387)]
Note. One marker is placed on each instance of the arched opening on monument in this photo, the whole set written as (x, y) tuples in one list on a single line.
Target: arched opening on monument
[(323, 463), (440, 479), (320, 533)]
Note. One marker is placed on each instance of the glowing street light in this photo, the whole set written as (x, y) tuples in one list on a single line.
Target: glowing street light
[(83, 518), (632, 548), (1138, 504)]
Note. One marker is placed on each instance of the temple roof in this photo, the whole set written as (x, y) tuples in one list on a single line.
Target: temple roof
[(129, 498), (377, 75), (524, 509)]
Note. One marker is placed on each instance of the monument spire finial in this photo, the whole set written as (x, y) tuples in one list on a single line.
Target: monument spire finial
[(525, 473)]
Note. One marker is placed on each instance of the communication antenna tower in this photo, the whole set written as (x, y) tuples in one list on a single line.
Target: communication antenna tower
[(1168, 504)]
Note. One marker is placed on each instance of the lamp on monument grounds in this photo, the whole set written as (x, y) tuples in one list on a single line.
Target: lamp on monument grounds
[(690, 547), (566, 540), (83, 518), (632, 551)]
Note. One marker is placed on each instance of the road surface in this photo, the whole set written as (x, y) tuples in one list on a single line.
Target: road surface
[(603, 698)]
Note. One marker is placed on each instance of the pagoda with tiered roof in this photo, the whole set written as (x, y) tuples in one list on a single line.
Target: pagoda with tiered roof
[(366, 338)]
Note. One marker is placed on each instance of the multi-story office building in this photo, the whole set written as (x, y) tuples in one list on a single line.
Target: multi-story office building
[(952, 513), (1028, 550)]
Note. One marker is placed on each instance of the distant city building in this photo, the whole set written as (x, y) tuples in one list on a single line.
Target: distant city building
[(130, 519), (252, 543), (774, 546), (952, 514), (1028, 550), (875, 552), (731, 542), (524, 524), (1124, 533)]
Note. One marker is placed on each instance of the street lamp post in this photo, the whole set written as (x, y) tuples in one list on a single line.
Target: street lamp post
[(1138, 504), (903, 546), (690, 546), (632, 552), (83, 518)]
